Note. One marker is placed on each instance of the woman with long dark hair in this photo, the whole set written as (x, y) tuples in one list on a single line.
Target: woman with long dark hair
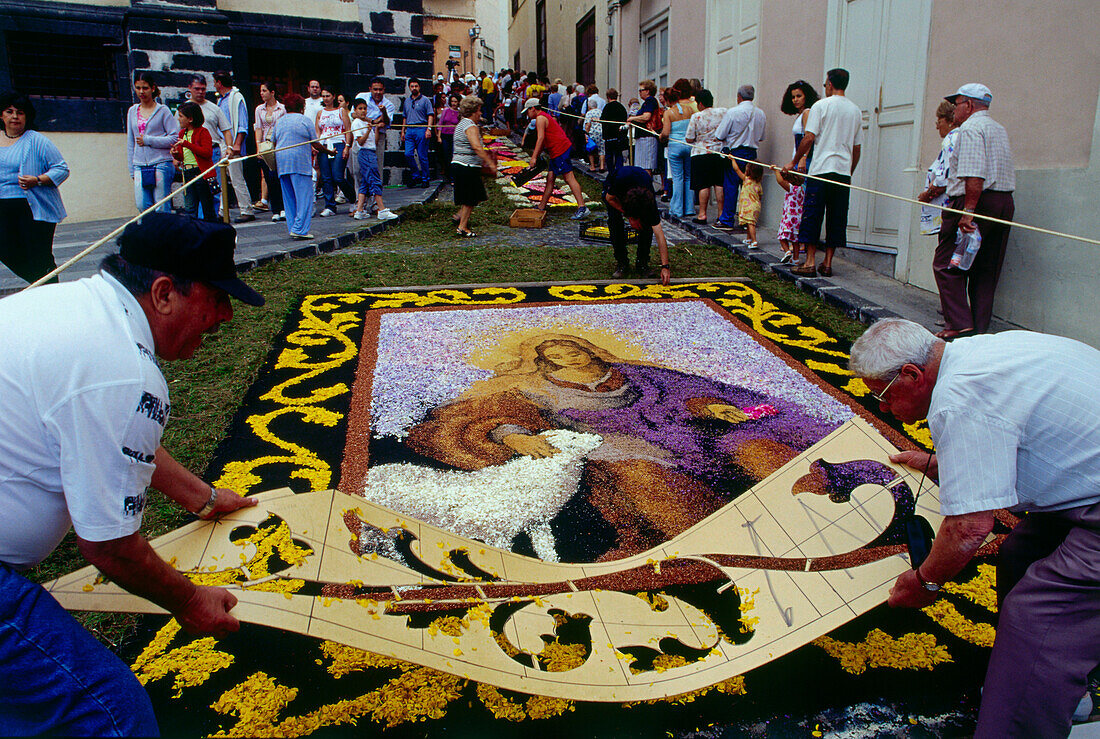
[(151, 130), (332, 121), (798, 98), (31, 168)]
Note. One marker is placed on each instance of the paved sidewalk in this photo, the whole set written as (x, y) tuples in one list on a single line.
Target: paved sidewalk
[(862, 293), (258, 242)]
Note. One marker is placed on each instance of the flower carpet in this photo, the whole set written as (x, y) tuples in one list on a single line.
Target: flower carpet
[(511, 160), (582, 425)]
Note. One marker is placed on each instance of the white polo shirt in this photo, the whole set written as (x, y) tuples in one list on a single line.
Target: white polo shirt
[(83, 405), (1015, 417)]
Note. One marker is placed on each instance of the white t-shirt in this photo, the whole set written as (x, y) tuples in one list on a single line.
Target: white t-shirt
[(837, 125), (1015, 418), (313, 108), (216, 122), (83, 404), (358, 128)]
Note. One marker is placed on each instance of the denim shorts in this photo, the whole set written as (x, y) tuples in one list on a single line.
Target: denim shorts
[(561, 165)]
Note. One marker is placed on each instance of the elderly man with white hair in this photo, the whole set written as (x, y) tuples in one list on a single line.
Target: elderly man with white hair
[(741, 130), (1015, 419)]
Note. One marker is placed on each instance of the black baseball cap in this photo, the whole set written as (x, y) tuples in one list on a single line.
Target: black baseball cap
[(188, 248)]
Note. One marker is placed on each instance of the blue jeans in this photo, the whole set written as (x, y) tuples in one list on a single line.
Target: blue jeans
[(732, 184), (679, 163), (416, 148), (297, 202), (146, 196), (369, 182), (56, 678), (331, 167)]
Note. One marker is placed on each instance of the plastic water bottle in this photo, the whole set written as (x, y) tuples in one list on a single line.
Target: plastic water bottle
[(966, 248)]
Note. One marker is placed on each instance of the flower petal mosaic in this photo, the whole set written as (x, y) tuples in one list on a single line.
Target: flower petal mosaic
[(584, 426)]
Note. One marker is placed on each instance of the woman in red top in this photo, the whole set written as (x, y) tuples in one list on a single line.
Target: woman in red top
[(193, 152), (553, 139)]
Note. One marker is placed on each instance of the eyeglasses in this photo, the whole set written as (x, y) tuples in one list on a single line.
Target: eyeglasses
[(881, 395)]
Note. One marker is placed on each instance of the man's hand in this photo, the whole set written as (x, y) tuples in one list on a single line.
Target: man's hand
[(229, 501), (530, 445), (206, 612), (909, 593), (966, 224), (919, 461), (666, 275), (728, 413), (924, 196)]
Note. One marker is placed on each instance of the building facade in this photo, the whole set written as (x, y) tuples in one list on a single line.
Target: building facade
[(470, 34), (904, 56), (77, 61)]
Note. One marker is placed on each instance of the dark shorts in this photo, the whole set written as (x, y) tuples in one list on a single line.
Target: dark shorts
[(707, 170), (469, 187), (561, 165), (829, 203)]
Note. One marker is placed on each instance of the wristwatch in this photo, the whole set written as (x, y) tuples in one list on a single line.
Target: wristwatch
[(207, 509), (931, 587)]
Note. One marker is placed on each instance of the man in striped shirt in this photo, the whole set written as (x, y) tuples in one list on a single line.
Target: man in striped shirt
[(981, 179), (1015, 419)]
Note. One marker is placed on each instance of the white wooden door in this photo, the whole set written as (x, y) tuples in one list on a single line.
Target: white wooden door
[(884, 45), (733, 48)]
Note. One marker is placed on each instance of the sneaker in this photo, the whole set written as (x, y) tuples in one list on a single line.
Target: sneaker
[(340, 199), (244, 218), (386, 215), (724, 226), (327, 212), (302, 237), (280, 216), (582, 212), (360, 215)]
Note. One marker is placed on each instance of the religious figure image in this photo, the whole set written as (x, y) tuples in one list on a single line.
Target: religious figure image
[(675, 447)]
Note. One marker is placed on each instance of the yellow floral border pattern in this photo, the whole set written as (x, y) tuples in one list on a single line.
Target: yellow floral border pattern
[(321, 343)]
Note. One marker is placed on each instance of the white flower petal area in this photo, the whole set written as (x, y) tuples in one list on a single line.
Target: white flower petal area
[(492, 504)]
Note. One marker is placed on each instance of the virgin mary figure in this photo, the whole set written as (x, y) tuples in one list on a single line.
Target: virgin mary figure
[(676, 446)]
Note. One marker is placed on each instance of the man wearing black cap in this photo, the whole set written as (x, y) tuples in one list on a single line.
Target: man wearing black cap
[(83, 405)]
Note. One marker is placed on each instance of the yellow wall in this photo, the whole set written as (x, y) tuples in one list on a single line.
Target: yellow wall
[(99, 184), (451, 32), (334, 10)]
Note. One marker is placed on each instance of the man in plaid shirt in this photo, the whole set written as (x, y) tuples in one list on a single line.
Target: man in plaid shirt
[(981, 179)]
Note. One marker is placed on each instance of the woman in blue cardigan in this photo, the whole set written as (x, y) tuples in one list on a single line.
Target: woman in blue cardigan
[(151, 130), (31, 168)]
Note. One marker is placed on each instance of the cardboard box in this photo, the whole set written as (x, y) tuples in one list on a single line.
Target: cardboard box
[(528, 218)]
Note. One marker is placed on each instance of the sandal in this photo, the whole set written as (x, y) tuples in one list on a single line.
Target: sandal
[(465, 234), (949, 333)]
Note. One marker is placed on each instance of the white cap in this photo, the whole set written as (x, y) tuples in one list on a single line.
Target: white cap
[(531, 103), (469, 78), (975, 90)]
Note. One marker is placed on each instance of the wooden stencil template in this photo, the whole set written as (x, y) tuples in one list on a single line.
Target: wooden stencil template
[(810, 547)]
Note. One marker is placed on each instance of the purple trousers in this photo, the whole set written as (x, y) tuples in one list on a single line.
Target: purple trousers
[(967, 296), (1048, 585)]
